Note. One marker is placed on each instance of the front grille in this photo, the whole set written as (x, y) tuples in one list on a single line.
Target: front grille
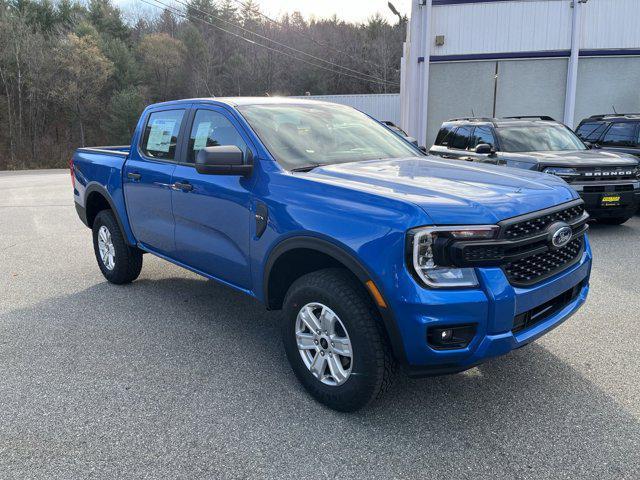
[(608, 188), (529, 270), (524, 246), (604, 174), (536, 225), (542, 312)]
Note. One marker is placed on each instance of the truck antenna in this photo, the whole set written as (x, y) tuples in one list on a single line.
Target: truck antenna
[(614, 109)]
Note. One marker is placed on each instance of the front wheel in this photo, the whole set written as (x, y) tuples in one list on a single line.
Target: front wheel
[(334, 340), (118, 262)]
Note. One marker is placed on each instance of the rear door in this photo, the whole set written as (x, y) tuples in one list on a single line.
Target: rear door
[(212, 212), (147, 178), (458, 143)]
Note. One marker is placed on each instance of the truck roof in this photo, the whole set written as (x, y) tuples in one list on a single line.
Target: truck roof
[(503, 121), (240, 101)]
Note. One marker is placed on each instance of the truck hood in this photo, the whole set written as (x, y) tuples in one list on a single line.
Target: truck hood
[(452, 192), (576, 158)]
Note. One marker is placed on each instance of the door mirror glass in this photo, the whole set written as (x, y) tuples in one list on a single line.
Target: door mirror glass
[(484, 149), (222, 160)]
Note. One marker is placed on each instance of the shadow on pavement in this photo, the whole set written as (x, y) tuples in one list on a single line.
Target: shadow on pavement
[(173, 374)]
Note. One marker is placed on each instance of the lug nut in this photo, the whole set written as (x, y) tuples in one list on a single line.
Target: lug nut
[(315, 341), (333, 344), (322, 354), (330, 354)]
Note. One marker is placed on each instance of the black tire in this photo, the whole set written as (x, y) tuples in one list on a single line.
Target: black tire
[(373, 366), (614, 220), (128, 260)]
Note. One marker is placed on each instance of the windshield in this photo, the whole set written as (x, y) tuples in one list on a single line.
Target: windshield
[(539, 138), (301, 136)]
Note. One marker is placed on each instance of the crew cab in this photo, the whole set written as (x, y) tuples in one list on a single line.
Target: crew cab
[(378, 255), (607, 181)]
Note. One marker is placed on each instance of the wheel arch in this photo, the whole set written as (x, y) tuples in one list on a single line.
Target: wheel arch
[(97, 198), (278, 276)]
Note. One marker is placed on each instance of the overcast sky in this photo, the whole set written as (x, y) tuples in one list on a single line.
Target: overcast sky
[(350, 10)]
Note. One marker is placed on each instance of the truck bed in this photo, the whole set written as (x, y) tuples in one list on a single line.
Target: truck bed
[(100, 170)]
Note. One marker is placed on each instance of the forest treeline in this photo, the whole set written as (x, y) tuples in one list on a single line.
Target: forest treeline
[(79, 73)]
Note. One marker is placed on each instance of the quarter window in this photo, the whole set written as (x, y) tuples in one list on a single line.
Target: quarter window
[(212, 129), (460, 139), (620, 134), (482, 135), (161, 134)]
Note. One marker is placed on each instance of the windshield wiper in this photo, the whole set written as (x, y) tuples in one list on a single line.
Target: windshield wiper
[(308, 168)]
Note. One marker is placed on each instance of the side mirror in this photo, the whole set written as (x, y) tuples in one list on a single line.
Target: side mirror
[(485, 149), (222, 160), (411, 140), (588, 144), (424, 149)]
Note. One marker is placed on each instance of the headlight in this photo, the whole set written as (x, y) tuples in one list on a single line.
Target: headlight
[(562, 172), (428, 254)]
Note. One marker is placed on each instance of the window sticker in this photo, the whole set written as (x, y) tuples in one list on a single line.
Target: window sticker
[(202, 135), (160, 135)]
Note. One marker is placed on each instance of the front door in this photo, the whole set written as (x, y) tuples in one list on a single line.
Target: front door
[(212, 212), (147, 178)]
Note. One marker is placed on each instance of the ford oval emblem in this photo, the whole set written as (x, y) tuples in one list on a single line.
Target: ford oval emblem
[(561, 234)]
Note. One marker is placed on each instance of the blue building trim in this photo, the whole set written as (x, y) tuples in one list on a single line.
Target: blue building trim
[(458, 2), (535, 54)]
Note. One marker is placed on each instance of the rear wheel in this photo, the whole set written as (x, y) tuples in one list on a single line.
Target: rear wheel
[(334, 340), (613, 220), (118, 262)]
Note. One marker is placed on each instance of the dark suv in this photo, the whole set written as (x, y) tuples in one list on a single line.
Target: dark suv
[(615, 132), (607, 181)]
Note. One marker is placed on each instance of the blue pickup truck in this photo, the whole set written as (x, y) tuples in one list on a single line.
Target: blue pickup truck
[(379, 255)]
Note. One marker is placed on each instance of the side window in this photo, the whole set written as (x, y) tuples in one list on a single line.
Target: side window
[(482, 135), (591, 132), (620, 134), (212, 129), (460, 138), (161, 134), (443, 136)]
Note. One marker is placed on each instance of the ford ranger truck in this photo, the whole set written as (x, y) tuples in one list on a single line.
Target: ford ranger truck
[(378, 255), (607, 181)]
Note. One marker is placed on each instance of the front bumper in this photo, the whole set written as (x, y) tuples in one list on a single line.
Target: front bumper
[(592, 194), (492, 309)]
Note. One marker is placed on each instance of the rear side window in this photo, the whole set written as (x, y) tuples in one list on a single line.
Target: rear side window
[(482, 135), (460, 138), (212, 129), (161, 134), (620, 134), (592, 131), (443, 135)]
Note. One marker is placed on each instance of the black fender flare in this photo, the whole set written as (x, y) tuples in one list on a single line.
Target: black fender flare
[(351, 263), (97, 188)]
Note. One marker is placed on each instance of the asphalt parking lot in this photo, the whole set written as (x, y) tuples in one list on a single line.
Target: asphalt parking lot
[(175, 376)]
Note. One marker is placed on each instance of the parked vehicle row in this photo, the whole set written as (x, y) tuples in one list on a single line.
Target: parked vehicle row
[(607, 180), (378, 255)]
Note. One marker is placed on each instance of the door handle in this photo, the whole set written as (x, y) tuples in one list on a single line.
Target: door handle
[(134, 176), (185, 187)]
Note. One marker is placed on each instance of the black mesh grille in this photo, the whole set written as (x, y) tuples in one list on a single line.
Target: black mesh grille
[(536, 225), (532, 269)]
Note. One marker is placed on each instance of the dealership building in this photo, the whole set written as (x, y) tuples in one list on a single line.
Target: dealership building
[(567, 59)]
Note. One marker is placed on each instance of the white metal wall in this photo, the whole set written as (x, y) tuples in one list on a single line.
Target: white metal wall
[(502, 27), (384, 106), (536, 25)]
